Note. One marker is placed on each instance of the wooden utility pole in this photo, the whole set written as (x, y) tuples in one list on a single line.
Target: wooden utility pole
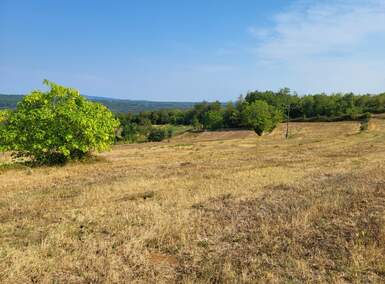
[(287, 121)]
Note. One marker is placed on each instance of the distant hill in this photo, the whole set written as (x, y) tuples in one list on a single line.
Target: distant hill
[(116, 105), (9, 101)]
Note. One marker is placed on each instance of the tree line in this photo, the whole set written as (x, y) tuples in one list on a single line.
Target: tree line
[(321, 105), (259, 111), (257, 115)]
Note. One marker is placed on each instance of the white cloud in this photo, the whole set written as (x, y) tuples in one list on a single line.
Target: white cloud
[(319, 28), (327, 45), (259, 33)]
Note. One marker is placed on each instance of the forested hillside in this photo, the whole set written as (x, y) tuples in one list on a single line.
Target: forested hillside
[(9, 101), (115, 105)]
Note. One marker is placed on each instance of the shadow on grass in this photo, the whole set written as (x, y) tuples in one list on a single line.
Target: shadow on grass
[(19, 164)]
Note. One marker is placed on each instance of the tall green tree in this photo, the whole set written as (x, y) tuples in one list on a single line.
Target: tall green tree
[(58, 125), (260, 117)]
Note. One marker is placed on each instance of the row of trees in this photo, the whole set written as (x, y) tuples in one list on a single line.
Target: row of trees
[(321, 105), (257, 115), (260, 111)]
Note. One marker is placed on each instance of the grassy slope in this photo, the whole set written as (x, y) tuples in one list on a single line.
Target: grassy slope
[(225, 207)]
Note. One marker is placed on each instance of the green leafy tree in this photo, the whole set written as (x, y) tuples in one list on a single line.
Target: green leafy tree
[(58, 125), (260, 117), (213, 120)]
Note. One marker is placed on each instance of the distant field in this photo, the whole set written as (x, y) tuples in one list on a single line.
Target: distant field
[(222, 207)]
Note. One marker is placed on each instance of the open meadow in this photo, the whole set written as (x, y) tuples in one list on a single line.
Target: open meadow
[(219, 207)]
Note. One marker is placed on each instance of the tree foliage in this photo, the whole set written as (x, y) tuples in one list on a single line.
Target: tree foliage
[(260, 117), (321, 105), (213, 120), (57, 125)]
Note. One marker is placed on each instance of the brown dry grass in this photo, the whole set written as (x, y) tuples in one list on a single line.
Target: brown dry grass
[(215, 207)]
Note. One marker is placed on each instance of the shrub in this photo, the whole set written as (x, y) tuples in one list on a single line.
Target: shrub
[(365, 118), (157, 134), (364, 125), (57, 126)]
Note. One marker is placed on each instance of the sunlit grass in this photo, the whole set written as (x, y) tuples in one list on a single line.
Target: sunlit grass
[(210, 207)]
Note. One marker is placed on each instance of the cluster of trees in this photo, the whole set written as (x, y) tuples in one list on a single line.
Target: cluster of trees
[(260, 111), (257, 115), (144, 126)]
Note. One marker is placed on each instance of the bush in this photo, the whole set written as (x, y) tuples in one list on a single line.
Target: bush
[(365, 118), (57, 126), (157, 134), (364, 126)]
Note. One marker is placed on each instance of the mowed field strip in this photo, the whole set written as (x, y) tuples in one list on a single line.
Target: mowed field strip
[(219, 207)]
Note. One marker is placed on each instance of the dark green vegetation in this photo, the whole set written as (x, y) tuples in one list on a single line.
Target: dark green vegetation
[(159, 134), (115, 105), (319, 106), (256, 115), (56, 126), (259, 111)]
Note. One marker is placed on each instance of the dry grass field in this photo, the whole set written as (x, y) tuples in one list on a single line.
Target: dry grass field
[(218, 207)]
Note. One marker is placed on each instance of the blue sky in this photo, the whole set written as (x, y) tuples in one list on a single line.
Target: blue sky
[(184, 50)]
